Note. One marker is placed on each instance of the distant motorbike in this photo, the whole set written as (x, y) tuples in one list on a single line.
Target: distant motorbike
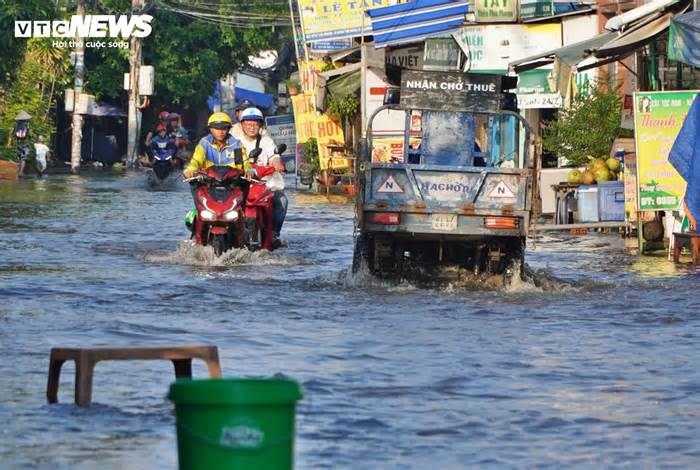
[(163, 153), (220, 196), (258, 208)]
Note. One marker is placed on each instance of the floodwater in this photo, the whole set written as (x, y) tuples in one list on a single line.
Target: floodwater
[(597, 367)]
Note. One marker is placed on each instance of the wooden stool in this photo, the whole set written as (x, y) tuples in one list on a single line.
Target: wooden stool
[(86, 358), (690, 240)]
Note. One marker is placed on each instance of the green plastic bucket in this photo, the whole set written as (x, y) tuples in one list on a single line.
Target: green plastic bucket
[(241, 423)]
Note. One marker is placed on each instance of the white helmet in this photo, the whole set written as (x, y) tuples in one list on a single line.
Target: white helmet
[(251, 114)]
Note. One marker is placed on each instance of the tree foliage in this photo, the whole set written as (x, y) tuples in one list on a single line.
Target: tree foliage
[(42, 74), (14, 48), (588, 128)]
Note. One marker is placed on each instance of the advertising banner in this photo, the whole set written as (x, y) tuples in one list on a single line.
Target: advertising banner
[(281, 129), (337, 19), (490, 48), (658, 117), (327, 131)]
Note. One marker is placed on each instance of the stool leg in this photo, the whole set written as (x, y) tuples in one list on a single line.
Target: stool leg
[(213, 364), (183, 368), (84, 367), (676, 252), (695, 247), (54, 378)]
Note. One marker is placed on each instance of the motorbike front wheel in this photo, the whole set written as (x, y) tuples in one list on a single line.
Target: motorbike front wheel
[(218, 242)]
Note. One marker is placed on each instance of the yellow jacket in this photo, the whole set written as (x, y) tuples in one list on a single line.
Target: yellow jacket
[(208, 153)]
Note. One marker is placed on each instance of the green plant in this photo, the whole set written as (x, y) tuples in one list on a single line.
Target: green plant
[(310, 149), (588, 128), (344, 108), (289, 83)]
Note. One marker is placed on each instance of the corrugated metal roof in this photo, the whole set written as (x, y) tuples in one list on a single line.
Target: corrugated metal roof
[(417, 20)]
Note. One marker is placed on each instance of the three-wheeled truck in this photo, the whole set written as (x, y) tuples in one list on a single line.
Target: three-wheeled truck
[(461, 194)]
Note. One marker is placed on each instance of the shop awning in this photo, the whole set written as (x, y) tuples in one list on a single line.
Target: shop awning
[(262, 100), (684, 39), (571, 54), (634, 39), (416, 20), (647, 11), (339, 83)]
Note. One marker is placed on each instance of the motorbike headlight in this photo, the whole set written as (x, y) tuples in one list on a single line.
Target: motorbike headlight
[(231, 215), (206, 214)]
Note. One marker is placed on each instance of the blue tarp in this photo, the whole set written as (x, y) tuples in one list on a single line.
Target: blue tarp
[(261, 100), (685, 158), (684, 39)]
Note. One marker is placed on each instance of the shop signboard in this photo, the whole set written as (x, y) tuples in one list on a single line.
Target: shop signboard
[(327, 131), (491, 48), (441, 54), (536, 9), (323, 20), (281, 129), (451, 91), (658, 117), (494, 11), (406, 57), (331, 46)]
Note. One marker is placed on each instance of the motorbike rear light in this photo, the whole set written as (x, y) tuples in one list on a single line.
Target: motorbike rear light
[(385, 218), (206, 214), (501, 222)]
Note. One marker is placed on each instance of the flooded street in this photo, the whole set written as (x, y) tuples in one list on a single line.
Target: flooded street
[(596, 368)]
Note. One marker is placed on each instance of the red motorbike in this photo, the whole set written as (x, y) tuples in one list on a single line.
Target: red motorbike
[(258, 207), (219, 201)]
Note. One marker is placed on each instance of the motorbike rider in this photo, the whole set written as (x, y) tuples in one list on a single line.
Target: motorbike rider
[(218, 148), (251, 120), (162, 143), (162, 119), (237, 129)]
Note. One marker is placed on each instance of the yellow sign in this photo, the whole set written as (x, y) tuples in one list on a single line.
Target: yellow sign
[(335, 19), (658, 117), (327, 131)]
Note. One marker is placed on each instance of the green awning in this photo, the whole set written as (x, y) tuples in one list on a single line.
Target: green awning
[(339, 83)]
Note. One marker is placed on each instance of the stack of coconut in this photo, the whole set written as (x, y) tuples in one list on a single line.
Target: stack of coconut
[(596, 171)]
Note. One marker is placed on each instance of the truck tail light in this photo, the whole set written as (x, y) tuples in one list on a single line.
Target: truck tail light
[(385, 218), (501, 222)]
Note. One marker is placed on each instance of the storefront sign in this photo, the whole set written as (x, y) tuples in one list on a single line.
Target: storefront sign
[(658, 117), (330, 46), (451, 91), (327, 131), (540, 100), (536, 9), (336, 19), (493, 11), (406, 57), (490, 48), (281, 129), (441, 54)]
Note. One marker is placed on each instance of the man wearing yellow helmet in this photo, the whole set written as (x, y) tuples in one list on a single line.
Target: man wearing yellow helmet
[(218, 148)]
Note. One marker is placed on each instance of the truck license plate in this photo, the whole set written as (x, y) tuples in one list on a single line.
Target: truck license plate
[(444, 222)]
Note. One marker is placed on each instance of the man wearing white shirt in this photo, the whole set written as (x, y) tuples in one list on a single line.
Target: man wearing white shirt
[(251, 120)]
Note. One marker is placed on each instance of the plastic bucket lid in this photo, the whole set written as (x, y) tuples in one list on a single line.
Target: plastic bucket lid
[(235, 391)]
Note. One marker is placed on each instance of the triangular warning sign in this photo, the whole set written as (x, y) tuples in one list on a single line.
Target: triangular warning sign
[(390, 186), (501, 191)]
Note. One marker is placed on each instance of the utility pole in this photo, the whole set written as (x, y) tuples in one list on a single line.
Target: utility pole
[(135, 59), (77, 133)]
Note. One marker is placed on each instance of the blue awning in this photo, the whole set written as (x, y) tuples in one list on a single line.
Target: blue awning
[(684, 39), (415, 21), (261, 100)]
